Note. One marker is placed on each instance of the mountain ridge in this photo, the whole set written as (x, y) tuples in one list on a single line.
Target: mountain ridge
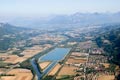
[(73, 19)]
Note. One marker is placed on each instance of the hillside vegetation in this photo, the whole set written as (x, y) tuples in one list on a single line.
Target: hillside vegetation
[(110, 42), (9, 34)]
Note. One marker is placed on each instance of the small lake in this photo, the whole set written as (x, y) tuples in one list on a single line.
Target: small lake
[(55, 55)]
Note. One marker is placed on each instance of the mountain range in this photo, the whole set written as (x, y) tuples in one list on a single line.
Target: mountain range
[(10, 34), (76, 20)]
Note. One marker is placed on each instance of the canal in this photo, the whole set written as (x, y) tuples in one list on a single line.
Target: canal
[(54, 56)]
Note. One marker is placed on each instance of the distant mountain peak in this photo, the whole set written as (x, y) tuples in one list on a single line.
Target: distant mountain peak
[(76, 19), (1, 24)]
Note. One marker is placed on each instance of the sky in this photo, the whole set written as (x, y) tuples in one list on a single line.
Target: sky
[(49, 7)]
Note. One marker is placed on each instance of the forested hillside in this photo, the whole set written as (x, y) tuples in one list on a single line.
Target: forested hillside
[(110, 42), (9, 34)]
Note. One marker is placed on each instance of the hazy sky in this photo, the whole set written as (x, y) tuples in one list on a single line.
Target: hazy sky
[(48, 7)]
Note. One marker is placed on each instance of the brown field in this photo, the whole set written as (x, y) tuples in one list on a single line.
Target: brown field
[(27, 54), (20, 74), (20, 59), (1, 71), (32, 51), (55, 69), (67, 70), (8, 78), (14, 59), (78, 54), (11, 59), (106, 65), (106, 77), (43, 65), (71, 60)]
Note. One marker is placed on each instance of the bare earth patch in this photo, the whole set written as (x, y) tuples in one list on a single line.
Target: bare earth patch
[(43, 65), (2, 70), (10, 58), (55, 69), (67, 70), (71, 60), (106, 65), (8, 78), (27, 54), (20, 74), (106, 77)]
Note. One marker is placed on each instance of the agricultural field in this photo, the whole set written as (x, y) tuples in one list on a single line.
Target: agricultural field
[(54, 70), (43, 65), (18, 74), (67, 70)]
